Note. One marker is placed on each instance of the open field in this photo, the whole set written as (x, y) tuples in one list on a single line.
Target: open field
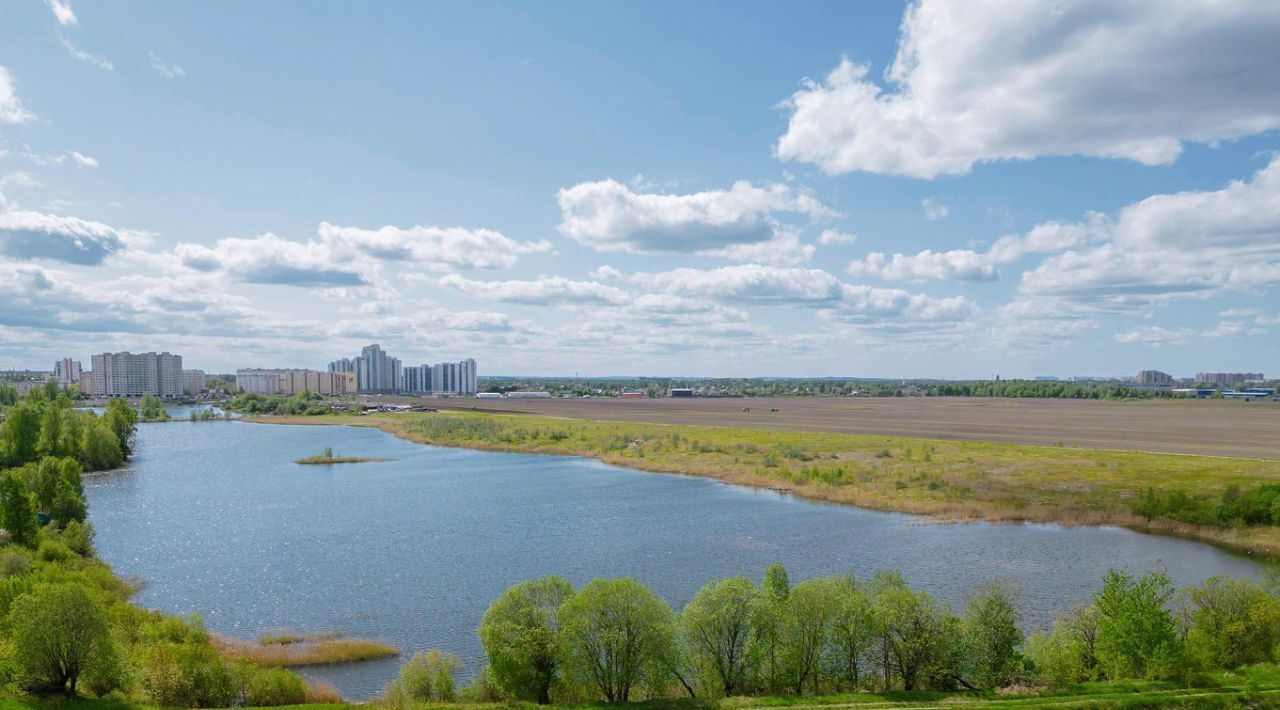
[(1206, 427), (952, 480)]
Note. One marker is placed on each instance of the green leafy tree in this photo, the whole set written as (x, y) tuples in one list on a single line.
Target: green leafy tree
[(68, 505), (1230, 622), (101, 449), (769, 614), (17, 512), (521, 635), (618, 633), (717, 628), (123, 420), (59, 632), (809, 610), (49, 442), (853, 632), (919, 636), (21, 433), (991, 637), (1137, 636)]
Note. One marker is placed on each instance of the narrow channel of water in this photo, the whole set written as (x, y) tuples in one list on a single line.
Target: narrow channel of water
[(216, 518)]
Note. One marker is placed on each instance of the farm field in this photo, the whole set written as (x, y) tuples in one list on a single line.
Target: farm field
[(1203, 427)]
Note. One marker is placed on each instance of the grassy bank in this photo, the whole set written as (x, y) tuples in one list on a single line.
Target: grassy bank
[(951, 480), (1256, 687)]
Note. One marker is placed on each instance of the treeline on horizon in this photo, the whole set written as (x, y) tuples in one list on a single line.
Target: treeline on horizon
[(833, 387), (615, 640)]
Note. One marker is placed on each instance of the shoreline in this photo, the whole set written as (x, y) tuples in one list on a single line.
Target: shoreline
[(1261, 541)]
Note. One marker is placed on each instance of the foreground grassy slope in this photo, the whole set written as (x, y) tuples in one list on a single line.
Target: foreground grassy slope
[(1257, 686), (953, 480)]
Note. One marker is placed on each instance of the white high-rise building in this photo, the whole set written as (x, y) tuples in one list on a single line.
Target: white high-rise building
[(67, 372), (135, 374), (192, 382)]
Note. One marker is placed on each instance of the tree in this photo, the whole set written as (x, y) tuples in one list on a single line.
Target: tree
[(59, 632), (521, 636), (49, 442), (809, 609), (768, 617), (853, 631), (991, 636), (68, 505), (1230, 622), (17, 512), (427, 677), (21, 433), (617, 633), (1137, 637), (101, 449), (122, 419), (717, 628), (919, 635)]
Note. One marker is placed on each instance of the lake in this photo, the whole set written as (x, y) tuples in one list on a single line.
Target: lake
[(216, 518)]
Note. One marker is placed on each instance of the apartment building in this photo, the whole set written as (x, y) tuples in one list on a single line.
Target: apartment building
[(135, 374)]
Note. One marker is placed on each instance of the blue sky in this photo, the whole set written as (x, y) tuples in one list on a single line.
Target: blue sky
[(941, 189)]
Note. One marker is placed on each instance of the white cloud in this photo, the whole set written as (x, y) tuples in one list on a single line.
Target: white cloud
[(62, 11), (11, 108), (1156, 336), (934, 210), (738, 223), (166, 69), (1187, 244), (606, 273), (547, 291), (860, 303), (983, 80), (268, 259), (84, 160), (446, 248), (832, 237), (748, 284), (35, 235), (84, 56), (975, 266)]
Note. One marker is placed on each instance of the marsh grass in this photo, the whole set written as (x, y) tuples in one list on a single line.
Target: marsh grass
[(951, 480), (296, 650)]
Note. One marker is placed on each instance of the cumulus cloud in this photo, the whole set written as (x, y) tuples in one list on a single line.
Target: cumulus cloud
[(975, 266), (35, 235), (81, 55), (748, 284), (832, 237), (168, 70), (1187, 244), (268, 259), (548, 291), (736, 223), (861, 304), (983, 80), (11, 108), (62, 11), (442, 247), (84, 160)]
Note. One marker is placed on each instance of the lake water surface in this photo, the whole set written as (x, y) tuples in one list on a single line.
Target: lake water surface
[(216, 518)]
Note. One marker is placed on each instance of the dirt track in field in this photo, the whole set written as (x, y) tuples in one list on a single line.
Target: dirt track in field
[(1209, 427)]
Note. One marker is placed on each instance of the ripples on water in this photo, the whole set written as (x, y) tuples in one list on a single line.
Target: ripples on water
[(217, 519)]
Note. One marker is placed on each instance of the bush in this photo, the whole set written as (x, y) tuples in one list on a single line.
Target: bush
[(188, 675), (483, 688), (274, 686), (427, 677), (14, 561), (54, 551)]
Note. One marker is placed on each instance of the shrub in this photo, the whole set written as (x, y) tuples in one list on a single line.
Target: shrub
[(274, 686), (188, 675), (427, 677), (54, 551), (14, 561), (483, 688)]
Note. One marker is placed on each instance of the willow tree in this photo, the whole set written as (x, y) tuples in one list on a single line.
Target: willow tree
[(521, 635)]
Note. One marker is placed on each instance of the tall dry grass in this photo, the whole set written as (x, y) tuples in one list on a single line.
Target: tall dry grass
[(292, 651)]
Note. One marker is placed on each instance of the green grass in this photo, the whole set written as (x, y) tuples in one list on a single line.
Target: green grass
[(954, 480), (313, 460), (1258, 686)]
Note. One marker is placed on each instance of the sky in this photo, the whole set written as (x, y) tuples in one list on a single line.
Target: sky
[(944, 188)]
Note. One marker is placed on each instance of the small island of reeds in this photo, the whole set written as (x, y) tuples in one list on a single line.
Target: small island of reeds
[(289, 650), (329, 456)]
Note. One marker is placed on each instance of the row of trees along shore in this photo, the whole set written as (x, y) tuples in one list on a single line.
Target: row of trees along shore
[(615, 640)]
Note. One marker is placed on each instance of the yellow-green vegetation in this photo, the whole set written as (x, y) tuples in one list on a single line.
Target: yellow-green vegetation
[(952, 480), (296, 650), (328, 456)]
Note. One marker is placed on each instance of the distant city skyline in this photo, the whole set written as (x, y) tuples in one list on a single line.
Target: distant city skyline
[(941, 188)]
